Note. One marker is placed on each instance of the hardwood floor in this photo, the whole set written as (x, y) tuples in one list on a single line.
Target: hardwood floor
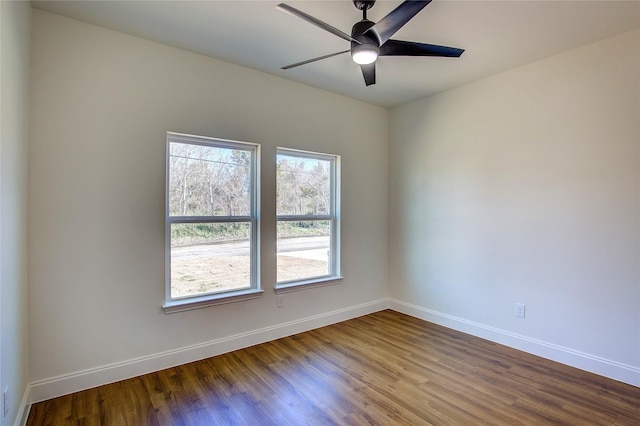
[(381, 369)]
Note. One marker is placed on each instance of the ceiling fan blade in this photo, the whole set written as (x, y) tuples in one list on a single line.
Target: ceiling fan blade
[(387, 26), (314, 21), (410, 48), (369, 73), (308, 61)]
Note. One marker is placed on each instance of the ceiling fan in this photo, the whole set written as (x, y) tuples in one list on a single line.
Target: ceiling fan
[(370, 40)]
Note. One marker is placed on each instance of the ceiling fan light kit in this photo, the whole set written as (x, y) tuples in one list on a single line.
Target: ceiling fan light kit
[(364, 54), (369, 40)]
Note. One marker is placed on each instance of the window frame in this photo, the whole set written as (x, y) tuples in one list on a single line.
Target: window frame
[(182, 303), (334, 276)]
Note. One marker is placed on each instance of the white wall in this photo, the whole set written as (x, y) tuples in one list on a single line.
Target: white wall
[(15, 24), (525, 187), (101, 104)]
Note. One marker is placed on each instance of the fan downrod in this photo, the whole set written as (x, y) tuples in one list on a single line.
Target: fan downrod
[(363, 4)]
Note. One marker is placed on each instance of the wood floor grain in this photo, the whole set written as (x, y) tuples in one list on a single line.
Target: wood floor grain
[(380, 369)]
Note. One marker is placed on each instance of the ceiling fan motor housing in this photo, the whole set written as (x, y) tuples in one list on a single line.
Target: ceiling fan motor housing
[(364, 4), (358, 31)]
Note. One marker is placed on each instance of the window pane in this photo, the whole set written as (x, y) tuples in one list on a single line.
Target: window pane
[(303, 186), (209, 181), (303, 249), (209, 258)]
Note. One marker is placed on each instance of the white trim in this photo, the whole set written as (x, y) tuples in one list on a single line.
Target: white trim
[(208, 141), (288, 287), (303, 217), (188, 303), (24, 407), (313, 155), (68, 383), (591, 363)]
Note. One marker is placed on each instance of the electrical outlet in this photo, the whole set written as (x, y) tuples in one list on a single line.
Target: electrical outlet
[(5, 401), (280, 300), (520, 310)]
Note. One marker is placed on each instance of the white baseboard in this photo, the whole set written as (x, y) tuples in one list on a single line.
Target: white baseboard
[(74, 382), (603, 367), (62, 385), (25, 406)]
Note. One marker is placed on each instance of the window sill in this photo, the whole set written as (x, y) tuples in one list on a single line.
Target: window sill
[(210, 300), (303, 285)]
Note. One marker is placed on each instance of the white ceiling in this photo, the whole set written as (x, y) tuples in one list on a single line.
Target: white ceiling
[(497, 36)]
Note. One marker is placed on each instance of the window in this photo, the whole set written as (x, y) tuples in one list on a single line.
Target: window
[(211, 221), (308, 228)]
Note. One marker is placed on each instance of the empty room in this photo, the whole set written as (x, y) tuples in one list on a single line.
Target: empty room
[(320, 212)]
